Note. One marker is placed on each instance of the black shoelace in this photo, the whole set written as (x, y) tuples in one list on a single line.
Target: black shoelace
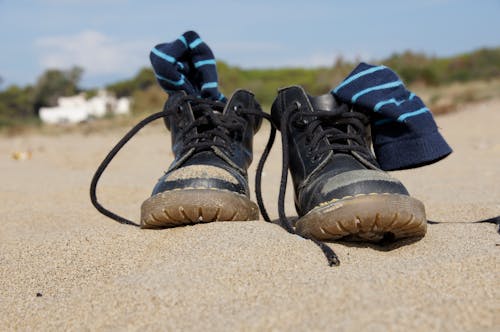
[(225, 127), (318, 125), (212, 129), (493, 220), (345, 132)]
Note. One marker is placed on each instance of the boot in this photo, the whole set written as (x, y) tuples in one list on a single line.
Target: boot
[(212, 145), (340, 190), (211, 141)]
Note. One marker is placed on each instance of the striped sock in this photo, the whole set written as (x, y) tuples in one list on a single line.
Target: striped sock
[(187, 64), (404, 132)]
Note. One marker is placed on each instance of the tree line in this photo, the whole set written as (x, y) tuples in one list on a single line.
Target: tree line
[(21, 104)]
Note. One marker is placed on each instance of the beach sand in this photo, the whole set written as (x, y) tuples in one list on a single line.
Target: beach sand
[(91, 273)]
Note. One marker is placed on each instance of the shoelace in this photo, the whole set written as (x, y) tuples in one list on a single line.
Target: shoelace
[(226, 127), (210, 125), (493, 220), (323, 124), (334, 127), (213, 129)]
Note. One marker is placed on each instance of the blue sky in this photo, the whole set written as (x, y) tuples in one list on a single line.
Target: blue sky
[(111, 39)]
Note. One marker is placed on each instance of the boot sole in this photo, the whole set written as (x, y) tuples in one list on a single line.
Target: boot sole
[(192, 206), (370, 217)]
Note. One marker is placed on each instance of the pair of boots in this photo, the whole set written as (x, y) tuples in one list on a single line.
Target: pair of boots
[(341, 191)]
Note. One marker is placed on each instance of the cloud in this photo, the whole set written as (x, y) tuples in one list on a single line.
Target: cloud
[(245, 47), (251, 54), (306, 59), (314, 60), (96, 52), (328, 58)]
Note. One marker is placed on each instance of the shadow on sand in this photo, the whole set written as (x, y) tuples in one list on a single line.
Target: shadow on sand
[(494, 220), (388, 243)]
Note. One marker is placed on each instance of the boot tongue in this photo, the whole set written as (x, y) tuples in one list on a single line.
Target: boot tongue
[(198, 113), (325, 102), (206, 124), (328, 103)]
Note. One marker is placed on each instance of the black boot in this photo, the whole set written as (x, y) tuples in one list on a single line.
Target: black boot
[(340, 191), (211, 140), (212, 144)]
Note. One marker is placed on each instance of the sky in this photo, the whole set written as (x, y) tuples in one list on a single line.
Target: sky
[(111, 39)]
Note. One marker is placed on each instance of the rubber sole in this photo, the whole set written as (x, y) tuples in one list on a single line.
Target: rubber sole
[(192, 206), (371, 217)]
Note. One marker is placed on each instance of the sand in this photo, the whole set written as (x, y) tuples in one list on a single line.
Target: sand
[(91, 273)]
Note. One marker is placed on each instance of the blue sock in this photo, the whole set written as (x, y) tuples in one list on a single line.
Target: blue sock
[(187, 64), (404, 132)]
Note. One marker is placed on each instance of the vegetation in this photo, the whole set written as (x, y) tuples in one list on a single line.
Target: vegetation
[(15, 104), (423, 73), (54, 84), (21, 105), (142, 81), (483, 64), (413, 68), (416, 70)]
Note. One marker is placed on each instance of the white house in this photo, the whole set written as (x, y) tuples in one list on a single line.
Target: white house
[(76, 109)]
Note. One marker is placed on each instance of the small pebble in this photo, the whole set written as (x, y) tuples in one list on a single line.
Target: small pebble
[(38, 294)]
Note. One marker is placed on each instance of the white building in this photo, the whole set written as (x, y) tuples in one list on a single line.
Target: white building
[(76, 109)]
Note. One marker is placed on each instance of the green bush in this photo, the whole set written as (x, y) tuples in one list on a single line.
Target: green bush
[(20, 105)]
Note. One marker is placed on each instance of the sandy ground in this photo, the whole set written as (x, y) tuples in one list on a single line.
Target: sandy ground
[(95, 274)]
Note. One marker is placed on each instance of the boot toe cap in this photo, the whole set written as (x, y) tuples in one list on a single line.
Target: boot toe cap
[(200, 177), (348, 184)]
